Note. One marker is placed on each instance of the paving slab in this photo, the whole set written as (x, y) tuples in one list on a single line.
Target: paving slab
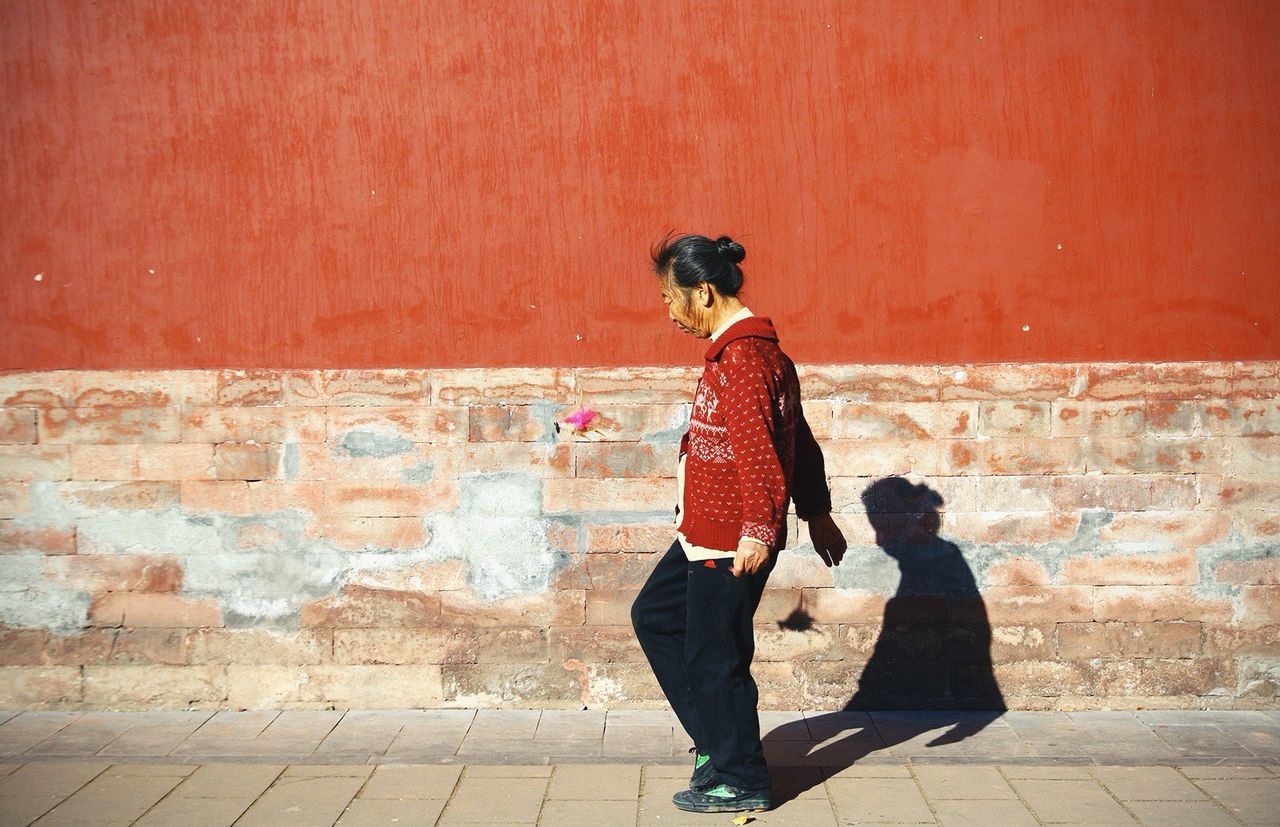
[(962, 813), (560, 724), (380, 812), (595, 782), (110, 800), (22, 732), (879, 799), (578, 813), (302, 800), (412, 782), (1147, 784), (207, 812), (944, 782), (229, 781), (495, 800), (1071, 802), (1182, 814), (1253, 801)]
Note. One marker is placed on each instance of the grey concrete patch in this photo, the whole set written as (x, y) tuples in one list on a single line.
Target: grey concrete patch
[(371, 443)]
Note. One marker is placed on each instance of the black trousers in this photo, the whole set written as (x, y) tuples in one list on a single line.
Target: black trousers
[(693, 620)]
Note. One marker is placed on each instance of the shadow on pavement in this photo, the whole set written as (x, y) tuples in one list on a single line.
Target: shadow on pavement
[(931, 665)]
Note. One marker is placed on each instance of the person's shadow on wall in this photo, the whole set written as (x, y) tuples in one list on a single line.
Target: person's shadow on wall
[(933, 654)]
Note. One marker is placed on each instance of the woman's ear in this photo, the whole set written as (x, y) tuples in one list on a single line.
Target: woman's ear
[(704, 294)]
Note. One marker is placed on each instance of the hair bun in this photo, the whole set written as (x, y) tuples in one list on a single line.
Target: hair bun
[(730, 249)]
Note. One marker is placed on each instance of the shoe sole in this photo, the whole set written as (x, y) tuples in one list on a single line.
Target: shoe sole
[(728, 807)]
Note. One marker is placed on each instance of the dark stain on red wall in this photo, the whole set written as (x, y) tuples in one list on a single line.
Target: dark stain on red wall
[(348, 184)]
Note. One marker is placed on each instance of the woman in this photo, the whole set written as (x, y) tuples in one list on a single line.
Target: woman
[(747, 453)]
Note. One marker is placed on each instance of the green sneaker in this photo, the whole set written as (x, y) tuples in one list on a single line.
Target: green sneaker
[(704, 775), (723, 799)]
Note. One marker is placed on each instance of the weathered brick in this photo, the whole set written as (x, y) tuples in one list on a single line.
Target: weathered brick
[(37, 687), (17, 426), (1189, 380), (1014, 456), (595, 644), (587, 495), (142, 388), (612, 459), (154, 610), (606, 386), (361, 607), (841, 605), (259, 646), (609, 607), (503, 457), (798, 569), (154, 687), (1242, 417), (1237, 494), (242, 424), (1254, 456), (615, 685), (489, 684), (123, 572), (904, 422), (1155, 569), (265, 686), (558, 608), (1128, 640), (389, 499), (119, 496), (1014, 642), (818, 642), (35, 462), (1221, 639), (143, 646), (443, 575), (875, 457), (15, 499), (1046, 678), (247, 461), (107, 424), (241, 497), (1252, 525), (1255, 380), (642, 538), (1017, 571), (1161, 677), (1017, 382), (1009, 418), (618, 570), (249, 388), (1137, 419), (142, 462), (870, 383), (379, 687), (400, 386), (1261, 604), (1264, 572), (15, 537), (506, 423), (1162, 456), (415, 465), (1125, 492), (1148, 603), (1183, 530), (1038, 604), (1027, 528), (52, 388), (440, 424), (378, 646), (483, 386)]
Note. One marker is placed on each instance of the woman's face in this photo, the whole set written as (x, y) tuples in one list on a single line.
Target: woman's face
[(687, 308)]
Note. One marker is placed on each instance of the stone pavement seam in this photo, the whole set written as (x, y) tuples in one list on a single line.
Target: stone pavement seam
[(1026, 805), (920, 788), (1114, 797), (1207, 795)]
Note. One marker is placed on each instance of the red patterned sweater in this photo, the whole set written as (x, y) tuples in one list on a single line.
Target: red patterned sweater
[(748, 450)]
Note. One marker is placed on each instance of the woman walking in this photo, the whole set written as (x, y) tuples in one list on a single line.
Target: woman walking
[(748, 452)]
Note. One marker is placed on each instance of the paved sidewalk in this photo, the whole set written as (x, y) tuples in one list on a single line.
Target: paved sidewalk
[(591, 768)]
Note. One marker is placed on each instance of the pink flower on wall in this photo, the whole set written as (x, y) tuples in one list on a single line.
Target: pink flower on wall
[(584, 422)]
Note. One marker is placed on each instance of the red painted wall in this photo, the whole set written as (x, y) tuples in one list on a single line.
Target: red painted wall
[(342, 183)]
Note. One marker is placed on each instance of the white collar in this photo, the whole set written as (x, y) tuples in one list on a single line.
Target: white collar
[(744, 313)]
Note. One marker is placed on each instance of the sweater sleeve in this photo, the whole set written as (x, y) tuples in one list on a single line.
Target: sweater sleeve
[(747, 406), (809, 476)]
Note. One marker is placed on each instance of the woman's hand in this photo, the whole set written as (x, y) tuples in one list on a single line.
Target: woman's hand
[(827, 540), (750, 556)]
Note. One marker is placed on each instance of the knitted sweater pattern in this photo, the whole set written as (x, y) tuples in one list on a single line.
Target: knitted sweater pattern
[(748, 449)]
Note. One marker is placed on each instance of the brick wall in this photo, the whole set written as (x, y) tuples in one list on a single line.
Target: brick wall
[(424, 538)]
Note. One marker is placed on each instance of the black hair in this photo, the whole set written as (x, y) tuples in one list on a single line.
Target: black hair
[(691, 260)]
